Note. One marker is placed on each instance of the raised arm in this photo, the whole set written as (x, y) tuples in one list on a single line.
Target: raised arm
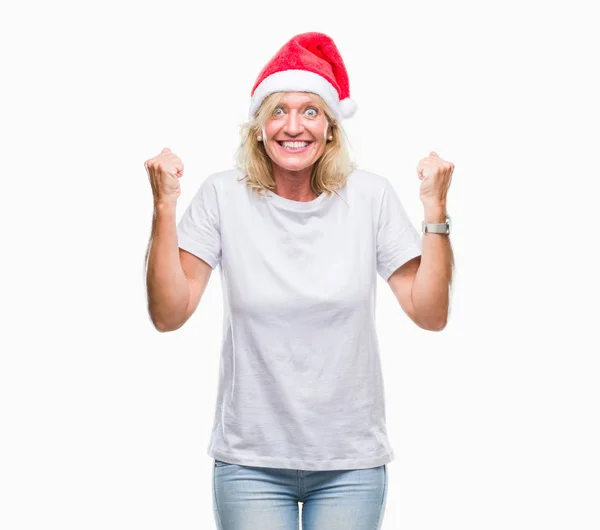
[(175, 279)]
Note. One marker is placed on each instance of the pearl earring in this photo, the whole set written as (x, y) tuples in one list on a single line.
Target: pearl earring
[(259, 138), (330, 138)]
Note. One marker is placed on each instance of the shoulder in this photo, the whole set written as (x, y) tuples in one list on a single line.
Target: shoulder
[(219, 184), (221, 180), (368, 183)]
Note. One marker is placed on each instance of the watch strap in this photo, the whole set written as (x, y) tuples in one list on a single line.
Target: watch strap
[(436, 228)]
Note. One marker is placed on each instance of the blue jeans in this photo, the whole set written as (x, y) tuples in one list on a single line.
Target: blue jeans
[(262, 498)]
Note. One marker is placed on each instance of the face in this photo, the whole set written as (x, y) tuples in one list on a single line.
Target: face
[(298, 120)]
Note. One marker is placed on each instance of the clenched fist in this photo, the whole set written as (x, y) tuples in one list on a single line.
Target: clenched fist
[(436, 175), (164, 171)]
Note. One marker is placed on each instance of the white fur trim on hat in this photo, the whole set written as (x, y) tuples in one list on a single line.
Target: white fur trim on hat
[(299, 81), (348, 107)]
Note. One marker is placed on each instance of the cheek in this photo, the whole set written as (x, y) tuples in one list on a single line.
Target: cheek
[(269, 130), (321, 130)]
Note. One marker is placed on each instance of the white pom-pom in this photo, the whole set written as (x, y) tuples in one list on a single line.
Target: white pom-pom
[(347, 108)]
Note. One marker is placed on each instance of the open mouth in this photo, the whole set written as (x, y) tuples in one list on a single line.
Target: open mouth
[(295, 147)]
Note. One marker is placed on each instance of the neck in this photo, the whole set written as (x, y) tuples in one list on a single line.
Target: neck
[(294, 185)]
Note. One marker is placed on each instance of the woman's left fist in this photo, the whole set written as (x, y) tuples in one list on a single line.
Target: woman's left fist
[(436, 175)]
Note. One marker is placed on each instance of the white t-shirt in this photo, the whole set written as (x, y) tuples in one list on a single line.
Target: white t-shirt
[(300, 382)]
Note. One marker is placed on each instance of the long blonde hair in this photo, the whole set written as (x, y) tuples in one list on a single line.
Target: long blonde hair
[(329, 172)]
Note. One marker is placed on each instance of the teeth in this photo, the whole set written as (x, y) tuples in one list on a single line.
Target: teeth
[(294, 145)]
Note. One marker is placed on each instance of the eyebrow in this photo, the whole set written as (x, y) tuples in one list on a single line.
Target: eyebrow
[(309, 102)]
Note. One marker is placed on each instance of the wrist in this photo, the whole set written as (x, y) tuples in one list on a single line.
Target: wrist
[(435, 213), (165, 206)]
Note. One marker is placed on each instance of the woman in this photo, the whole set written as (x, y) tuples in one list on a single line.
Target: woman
[(300, 234)]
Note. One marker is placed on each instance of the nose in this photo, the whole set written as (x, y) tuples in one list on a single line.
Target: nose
[(293, 125)]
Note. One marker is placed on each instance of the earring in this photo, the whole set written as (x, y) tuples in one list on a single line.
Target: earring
[(259, 138), (330, 138)]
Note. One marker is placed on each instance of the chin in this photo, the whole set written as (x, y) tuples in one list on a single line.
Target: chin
[(293, 167)]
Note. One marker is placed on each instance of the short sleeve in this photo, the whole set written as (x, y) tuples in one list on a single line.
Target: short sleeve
[(199, 230), (398, 241)]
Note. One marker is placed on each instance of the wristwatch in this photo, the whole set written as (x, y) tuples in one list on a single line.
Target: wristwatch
[(437, 228)]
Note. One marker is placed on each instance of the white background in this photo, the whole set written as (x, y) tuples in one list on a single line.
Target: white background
[(494, 421)]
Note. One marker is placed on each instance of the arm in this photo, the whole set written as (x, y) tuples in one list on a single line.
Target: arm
[(422, 284), (175, 278)]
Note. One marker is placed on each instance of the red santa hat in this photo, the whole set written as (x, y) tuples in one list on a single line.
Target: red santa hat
[(309, 62)]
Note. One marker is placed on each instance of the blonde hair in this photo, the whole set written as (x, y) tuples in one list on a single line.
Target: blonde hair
[(329, 172)]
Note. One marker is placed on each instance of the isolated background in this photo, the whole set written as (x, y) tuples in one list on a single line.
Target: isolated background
[(105, 421)]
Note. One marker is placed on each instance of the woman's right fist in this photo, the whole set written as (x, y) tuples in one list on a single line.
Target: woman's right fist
[(164, 171)]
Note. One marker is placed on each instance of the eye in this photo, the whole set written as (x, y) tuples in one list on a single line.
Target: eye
[(315, 111), (275, 113)]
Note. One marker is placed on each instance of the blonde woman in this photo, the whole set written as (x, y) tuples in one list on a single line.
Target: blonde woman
[(299, 234)]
